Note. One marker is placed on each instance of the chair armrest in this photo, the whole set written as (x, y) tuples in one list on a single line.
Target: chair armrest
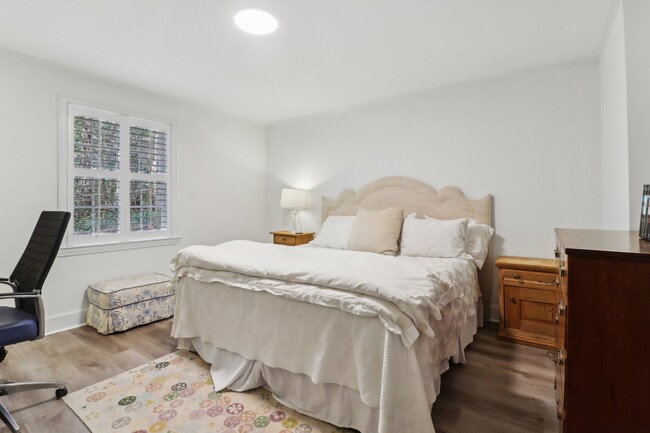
[(9, 283), (20, 295)]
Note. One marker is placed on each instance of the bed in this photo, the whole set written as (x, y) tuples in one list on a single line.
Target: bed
[(331, 332)]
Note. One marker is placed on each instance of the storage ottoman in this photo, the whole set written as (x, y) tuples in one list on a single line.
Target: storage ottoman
[(120, 304)]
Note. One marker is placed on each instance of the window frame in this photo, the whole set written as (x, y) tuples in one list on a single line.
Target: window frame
[(125, 239)]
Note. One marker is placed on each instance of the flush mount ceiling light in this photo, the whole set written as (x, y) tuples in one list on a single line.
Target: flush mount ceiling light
[(256, 21)]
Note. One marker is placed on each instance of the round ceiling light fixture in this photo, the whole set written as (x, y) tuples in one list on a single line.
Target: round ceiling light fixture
[(256, 21)]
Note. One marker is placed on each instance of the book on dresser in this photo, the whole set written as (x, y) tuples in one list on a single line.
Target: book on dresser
[(644, 226), (602, 331)]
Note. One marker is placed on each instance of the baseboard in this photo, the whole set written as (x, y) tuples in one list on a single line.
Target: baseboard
[(65, 321)]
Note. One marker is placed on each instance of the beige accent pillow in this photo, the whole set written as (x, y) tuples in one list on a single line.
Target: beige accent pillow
[(377, 231)]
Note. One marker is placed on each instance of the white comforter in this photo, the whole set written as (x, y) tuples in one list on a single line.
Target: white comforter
[(393, 378), (404, 292)]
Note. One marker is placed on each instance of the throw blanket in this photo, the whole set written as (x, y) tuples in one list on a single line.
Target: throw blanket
[(403, 291)]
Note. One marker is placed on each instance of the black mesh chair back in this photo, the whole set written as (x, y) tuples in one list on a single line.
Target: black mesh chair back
[(36, 261)]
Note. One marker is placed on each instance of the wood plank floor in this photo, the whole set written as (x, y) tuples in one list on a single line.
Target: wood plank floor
[(502, 388)]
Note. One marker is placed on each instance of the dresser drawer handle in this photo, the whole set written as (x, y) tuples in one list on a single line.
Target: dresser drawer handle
[(513, 300), (552, 355), (516, 276), (561, 308), (556, 356)]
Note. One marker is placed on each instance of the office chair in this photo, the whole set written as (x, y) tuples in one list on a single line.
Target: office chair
[(25, 321)]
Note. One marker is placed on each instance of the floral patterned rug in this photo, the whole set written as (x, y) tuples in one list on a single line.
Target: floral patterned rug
[(174, 394)]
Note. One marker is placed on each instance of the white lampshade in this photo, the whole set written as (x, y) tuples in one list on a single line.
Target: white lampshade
[(293, 198)]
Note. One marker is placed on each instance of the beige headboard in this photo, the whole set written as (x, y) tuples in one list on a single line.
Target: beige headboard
[(412, 196)]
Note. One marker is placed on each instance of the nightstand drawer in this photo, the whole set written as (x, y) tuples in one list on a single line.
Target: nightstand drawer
[(522, 277), (292, 239), (284, 240)]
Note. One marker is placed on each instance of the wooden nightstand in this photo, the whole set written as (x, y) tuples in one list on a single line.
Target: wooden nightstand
[(292, 239), (527, 300)]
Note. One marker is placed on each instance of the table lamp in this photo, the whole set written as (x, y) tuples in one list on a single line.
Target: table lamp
[(294, 199)]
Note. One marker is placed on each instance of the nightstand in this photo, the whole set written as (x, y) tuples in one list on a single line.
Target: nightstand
[(292, 239), (527, 300)]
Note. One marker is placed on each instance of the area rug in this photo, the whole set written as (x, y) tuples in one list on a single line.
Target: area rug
[(174, 394)]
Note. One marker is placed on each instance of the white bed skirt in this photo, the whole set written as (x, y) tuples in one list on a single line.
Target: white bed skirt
[(298, 391), (348, 370)]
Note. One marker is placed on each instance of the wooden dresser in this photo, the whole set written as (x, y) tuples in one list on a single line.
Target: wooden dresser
[(527, 300), (603, 332)]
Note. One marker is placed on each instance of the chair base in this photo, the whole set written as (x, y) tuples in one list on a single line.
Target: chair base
[(9, 421), (14, 387)]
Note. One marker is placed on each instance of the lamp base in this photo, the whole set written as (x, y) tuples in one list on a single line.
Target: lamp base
[(296, 226)]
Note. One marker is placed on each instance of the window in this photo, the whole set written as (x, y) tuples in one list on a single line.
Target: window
[(117, 183)]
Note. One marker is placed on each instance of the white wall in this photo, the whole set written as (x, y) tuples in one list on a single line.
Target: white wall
[(637, 57), (531, 140), (218, 175), (613, 114)]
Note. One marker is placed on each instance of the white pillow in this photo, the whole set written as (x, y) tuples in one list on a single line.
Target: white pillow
[(430, 237), (335, 233), (478, 241)]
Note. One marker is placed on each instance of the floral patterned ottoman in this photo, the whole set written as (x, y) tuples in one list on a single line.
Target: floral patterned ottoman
[(123, 303)]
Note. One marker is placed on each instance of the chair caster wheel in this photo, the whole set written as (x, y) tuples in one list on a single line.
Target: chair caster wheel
[(61, 392)]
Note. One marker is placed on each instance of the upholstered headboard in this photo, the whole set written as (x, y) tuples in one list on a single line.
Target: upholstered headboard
[(412, 196), (415, 196)]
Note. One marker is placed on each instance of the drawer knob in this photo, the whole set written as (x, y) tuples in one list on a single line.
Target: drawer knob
[(513, 299), (516, 276)]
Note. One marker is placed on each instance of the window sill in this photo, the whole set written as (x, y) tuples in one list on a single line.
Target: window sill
[(78, 250)]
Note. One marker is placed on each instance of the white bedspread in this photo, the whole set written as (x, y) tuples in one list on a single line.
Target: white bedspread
[(404, 292), (385, 363)]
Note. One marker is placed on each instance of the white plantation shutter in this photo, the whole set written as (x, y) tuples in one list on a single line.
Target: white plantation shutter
[(96, 199), (148, 151), (96, 205), (148, 205), (119, 182), (96, 144)]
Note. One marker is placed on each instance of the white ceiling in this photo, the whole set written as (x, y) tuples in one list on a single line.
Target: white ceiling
[(326, 54)]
